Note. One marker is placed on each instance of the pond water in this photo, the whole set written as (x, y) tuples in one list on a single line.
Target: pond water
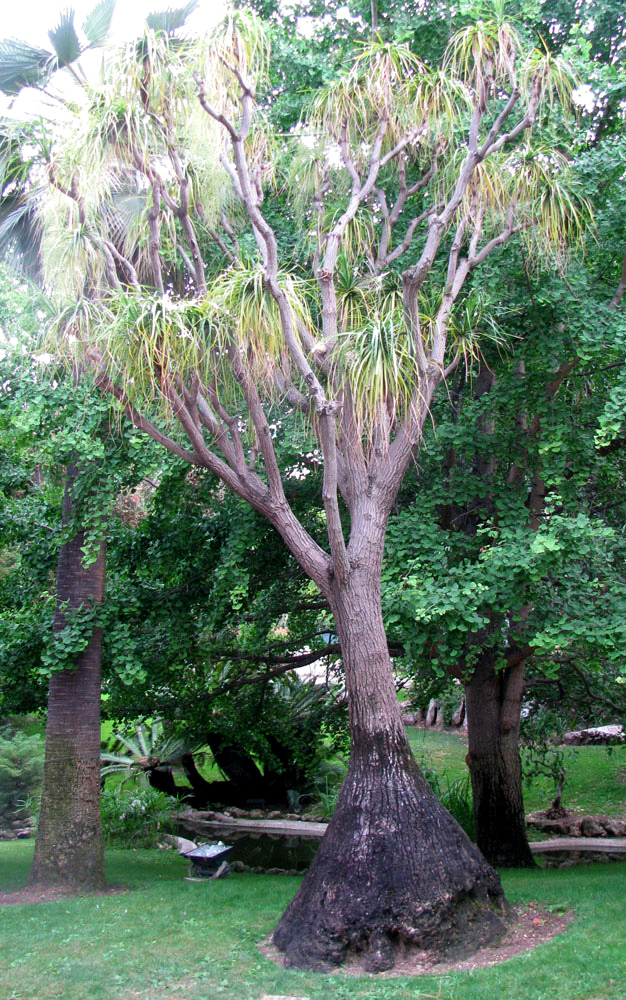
[(258, 850)]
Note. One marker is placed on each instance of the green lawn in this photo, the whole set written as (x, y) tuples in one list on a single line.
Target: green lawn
[(167, 938), (595, 783)]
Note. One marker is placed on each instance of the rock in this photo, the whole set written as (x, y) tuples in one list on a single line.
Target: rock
[(566, 826), (432, 712), (596, 735), (614, 827), (413, 717), (459, 716), (274, 814), (294, 817), (256, 814), (237, 866), (589, 827)]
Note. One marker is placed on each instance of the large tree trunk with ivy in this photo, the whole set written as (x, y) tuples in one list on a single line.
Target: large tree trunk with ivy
[(394, 868), (69, 852), (493, 704)]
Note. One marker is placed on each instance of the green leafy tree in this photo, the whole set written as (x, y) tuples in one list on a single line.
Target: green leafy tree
[(21, 769), (525, 520)]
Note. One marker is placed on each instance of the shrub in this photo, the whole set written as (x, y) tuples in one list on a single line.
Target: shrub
[(137, 820), (458, 800), (456, 796), (21, 772)]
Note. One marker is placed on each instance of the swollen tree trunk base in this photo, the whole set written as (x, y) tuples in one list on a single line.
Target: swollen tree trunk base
[(394, 871)]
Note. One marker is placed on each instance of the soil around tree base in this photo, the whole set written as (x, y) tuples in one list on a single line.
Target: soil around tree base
[(40, 894), (530, 926)]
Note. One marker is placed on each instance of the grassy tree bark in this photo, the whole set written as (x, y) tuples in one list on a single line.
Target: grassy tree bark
[(69, 850)]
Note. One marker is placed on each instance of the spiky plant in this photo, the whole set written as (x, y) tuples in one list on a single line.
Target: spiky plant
[(134, 756)]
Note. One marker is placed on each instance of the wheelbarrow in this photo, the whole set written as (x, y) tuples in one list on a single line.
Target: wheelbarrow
[(208, 861)]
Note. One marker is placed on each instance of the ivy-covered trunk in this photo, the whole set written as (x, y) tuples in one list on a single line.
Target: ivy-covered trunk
[(394, 868), (493, 704), (69, 852)]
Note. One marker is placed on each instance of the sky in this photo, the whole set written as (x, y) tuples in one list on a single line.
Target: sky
[(30, 20)]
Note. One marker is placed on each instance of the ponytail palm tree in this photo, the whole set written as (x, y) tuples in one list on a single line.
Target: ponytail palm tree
[(411, 179)]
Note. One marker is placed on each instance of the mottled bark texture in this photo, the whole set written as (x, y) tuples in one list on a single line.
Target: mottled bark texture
[(69, 850), (394, 870), (493, 700)]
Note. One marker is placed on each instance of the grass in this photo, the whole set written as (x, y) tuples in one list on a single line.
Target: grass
[(595, 783), (167, 938)]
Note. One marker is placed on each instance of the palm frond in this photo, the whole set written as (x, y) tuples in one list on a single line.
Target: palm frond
[(23, 65), (551, 79), (556, 213), (64, 40), (171, 20), (242, 40), (489, 47), (473, 325), (144, 751), (378, 365), (97, 24), (143, 341), (248, 317), (442, 101), (377, 87)]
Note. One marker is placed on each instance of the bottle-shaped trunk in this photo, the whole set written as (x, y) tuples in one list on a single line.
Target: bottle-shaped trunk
[(69, 851), (493, 700), (394, 869)]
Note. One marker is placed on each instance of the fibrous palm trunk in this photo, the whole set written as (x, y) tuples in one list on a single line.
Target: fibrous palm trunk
[(394, 868), (69, 850)]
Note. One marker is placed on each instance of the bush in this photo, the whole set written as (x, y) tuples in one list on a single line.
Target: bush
[(139, 819), (21, 773), (458, 800), (456, 796)]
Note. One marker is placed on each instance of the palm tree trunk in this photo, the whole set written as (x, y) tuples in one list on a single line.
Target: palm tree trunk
[(69, 850)]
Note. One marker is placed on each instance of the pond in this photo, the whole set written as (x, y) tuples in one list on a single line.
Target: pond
[(257, 850)]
